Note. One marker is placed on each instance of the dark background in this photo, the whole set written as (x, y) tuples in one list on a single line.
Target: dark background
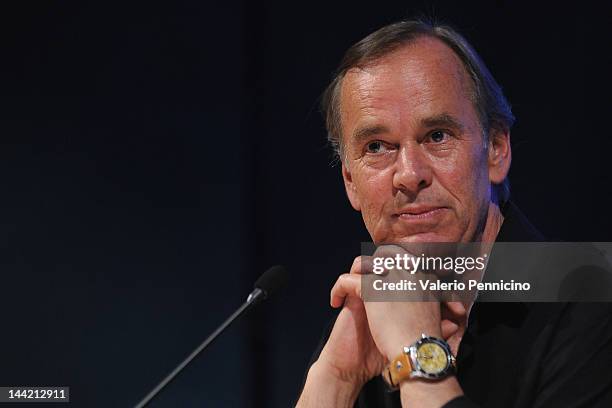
[(157, 157)]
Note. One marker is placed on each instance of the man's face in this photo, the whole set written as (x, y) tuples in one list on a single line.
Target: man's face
[(415, 156)]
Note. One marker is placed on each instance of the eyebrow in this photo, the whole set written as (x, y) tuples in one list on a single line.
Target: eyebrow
[(442, 120), (364, 133)]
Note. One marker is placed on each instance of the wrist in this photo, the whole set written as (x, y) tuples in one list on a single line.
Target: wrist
[(327, 386), (425, 394)]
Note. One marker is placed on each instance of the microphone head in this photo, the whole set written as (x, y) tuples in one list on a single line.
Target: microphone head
[(272, 280)]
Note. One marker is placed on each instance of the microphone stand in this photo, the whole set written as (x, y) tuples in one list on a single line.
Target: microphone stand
[(253, 298)]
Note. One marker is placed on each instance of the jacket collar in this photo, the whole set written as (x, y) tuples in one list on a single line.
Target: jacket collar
[(516, 227), (485, 315)]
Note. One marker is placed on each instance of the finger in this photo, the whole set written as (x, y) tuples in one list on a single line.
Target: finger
[(456, 307), (354, 303), (346, 285), (448, 328), (362, 265), (356, 266)]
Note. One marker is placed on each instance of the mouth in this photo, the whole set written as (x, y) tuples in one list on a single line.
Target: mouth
[(419, 213)]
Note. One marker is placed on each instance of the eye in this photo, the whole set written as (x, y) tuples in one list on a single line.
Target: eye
[(438, 136), (375, 146)]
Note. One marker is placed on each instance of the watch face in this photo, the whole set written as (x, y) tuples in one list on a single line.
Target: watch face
[(432, 358)]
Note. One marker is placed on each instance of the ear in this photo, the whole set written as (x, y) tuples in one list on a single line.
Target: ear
[(499, 155), (351, 190)]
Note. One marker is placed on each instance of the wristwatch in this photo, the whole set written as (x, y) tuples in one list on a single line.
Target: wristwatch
[(429, 358)]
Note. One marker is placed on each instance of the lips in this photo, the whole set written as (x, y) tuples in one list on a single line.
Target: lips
[(419, 212)]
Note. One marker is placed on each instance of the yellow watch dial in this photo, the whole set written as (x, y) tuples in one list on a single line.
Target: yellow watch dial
[(432, 358)]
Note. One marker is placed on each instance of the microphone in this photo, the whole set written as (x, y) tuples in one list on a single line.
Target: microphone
[(268, 283)]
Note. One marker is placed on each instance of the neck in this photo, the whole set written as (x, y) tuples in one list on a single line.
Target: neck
[(492, 224)]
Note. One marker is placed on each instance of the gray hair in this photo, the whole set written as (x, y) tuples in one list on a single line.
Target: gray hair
[(491, 105)]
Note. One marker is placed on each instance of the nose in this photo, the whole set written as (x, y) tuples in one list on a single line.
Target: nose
[(413, 170)]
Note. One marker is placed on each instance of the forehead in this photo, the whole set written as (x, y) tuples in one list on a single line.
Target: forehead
[(421, 79)]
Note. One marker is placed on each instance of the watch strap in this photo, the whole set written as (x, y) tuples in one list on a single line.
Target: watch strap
[(399, 369)]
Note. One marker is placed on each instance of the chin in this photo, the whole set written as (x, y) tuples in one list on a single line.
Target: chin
[(421, 237), (427, 237), (399, 233)]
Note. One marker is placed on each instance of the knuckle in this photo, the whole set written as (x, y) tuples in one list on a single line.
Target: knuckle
[(356, 264)]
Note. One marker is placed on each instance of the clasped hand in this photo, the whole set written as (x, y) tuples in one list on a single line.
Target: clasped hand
[(367, 335)]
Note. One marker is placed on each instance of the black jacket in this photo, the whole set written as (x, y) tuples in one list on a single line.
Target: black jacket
[(525, 354)]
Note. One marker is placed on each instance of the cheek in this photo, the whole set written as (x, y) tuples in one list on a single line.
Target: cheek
[(373, 185), (480, 178), (374, 188), (465, 177)]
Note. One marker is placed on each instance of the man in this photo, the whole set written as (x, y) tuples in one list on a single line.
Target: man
[(423, 133)]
